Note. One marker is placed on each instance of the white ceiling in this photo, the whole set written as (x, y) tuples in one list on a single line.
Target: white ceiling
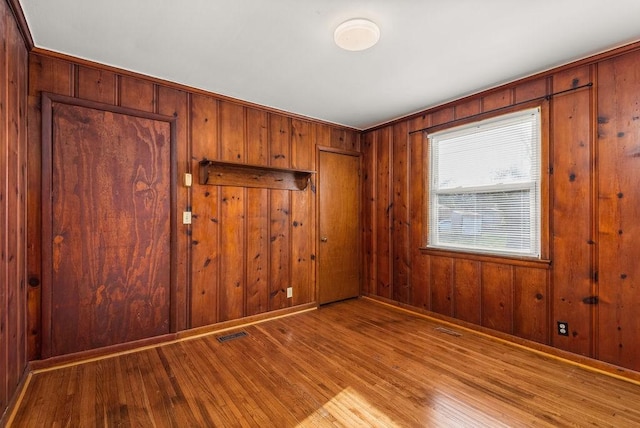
[(280, 53)]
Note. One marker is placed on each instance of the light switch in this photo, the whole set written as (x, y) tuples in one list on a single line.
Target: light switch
[(188, 180), (186, 217)]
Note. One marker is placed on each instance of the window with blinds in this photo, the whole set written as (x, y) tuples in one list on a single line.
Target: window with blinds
[(484, 187)]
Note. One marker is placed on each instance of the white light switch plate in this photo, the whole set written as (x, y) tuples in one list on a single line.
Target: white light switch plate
[(186, 217)]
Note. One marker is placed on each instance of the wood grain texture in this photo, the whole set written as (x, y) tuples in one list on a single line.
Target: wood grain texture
[(619, 210), (400, 215), (212, 127), (384, 207), (13, 206), (369, 221), (356, 363), (339, 257), (571, 212), (588, 159), (418, 176), (206, 218), (497, 297), (110, 243)]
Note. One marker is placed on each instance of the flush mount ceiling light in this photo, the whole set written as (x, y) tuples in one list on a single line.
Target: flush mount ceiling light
[(356, 34)]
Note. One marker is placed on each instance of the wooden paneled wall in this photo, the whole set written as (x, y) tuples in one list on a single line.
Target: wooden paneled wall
[(590, 225), (13, 194), (245, 245)]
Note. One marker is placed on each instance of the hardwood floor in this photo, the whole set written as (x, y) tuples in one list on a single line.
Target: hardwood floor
[(355, 363)]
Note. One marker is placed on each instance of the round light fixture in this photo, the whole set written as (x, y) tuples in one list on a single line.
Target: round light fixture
[(356, 34)]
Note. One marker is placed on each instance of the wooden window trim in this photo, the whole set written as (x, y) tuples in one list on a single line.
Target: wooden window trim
[(545, 178)]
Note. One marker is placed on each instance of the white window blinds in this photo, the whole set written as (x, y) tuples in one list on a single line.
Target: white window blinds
[(484, 188)]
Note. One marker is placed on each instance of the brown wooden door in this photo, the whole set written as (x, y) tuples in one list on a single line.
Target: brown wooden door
[(106, 228), (339, 261)]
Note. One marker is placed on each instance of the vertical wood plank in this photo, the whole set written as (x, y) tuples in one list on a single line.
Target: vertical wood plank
[(497, 99), (205, 228), (279, 248), (301, 145), (418, 175), (530, 305), (280, 211), (383, 213), (301, 225), (137, 93), (619, 210), (232, 132), (13, 209), (50, 75), (441, 116), (469, 108), (232, 261), (231, 301), (6, 389), (571, 211), (96, 84), (497, 297), (530, 90), (467, 291), (257, 293), (400, 217), (279, 140), (441, 269), (369, 200)]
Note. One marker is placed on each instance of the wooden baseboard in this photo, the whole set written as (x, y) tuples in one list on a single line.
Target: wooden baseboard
[(54, 363), (12, 405), (540, 348)]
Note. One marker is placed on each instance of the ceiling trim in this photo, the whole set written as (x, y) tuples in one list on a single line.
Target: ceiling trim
[(592, 59), (182, 87)]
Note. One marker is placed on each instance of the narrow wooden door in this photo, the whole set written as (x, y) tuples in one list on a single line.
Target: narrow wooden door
[(339, 261), (107, 232)]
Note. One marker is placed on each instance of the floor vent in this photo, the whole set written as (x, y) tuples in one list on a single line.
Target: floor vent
[(449, 332), (231, 336)]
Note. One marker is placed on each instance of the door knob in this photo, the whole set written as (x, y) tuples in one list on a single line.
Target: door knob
[(323, 239)]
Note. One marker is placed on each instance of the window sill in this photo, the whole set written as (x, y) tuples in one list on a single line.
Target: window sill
[(513, 261)]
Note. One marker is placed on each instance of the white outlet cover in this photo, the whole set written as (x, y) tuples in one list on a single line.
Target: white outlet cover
[(289, 292)]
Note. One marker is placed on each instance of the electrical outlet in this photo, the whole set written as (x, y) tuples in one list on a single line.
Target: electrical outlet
[(186, 217), (289, 292), (563, 328)]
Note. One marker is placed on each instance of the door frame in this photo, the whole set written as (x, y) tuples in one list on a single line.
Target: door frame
[(46, 210), (359, 220)]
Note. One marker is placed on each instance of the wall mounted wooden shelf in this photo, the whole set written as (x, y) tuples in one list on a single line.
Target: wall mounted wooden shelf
[(245, 175)]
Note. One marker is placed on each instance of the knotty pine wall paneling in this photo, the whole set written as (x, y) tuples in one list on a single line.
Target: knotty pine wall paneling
[(245, 246), (384, 205), (257, 268), (205, 259), (589, 229), (302, 215), (419, 272), (400, 214), (279, 215), (618, 196), (13, 209), (369, 220), (572, 237)]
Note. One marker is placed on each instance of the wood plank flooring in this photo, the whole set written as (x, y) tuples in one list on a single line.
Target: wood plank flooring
[(354, 363)]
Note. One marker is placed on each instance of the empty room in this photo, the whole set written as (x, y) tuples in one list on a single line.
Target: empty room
[(319, 213)]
